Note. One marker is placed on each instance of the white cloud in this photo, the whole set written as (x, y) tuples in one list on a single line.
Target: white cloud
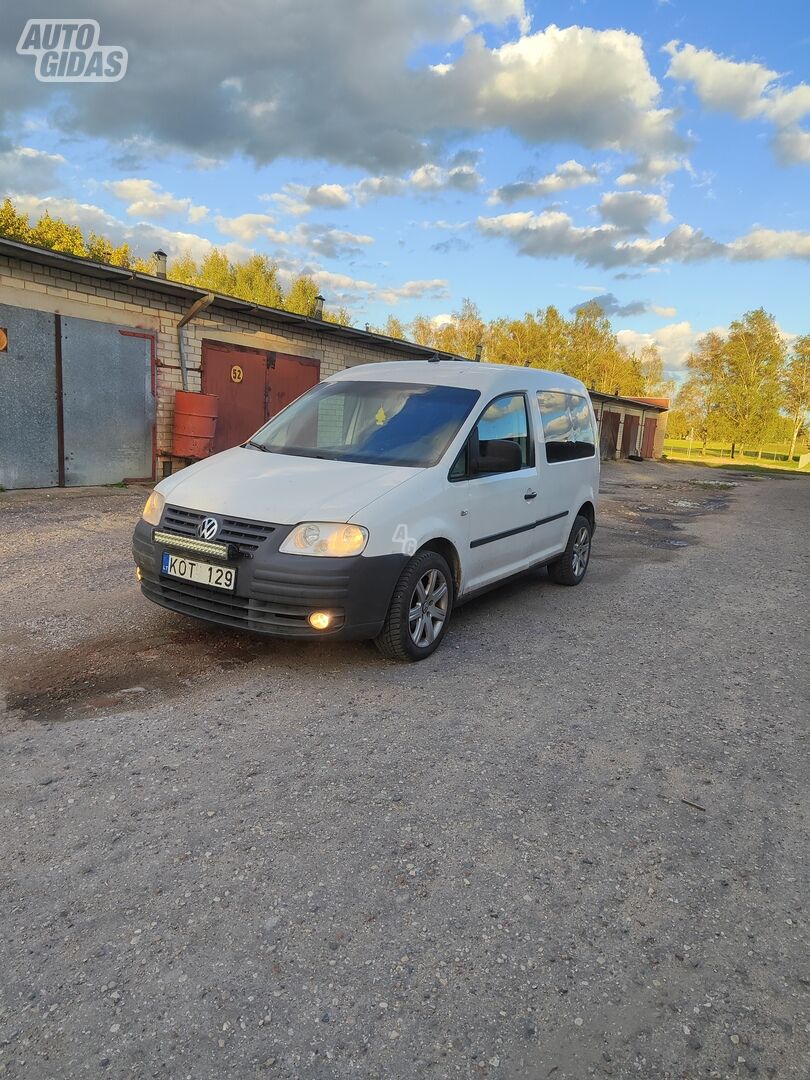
[(437, 178), (675, 341), (552, 234), (771, 244), (315, 239), (300, 199), (651, 170), (28, 171), (749, 91), (249, 227), (632, 211), (347, 290), (146, 199), (570, 174), (434, 289)]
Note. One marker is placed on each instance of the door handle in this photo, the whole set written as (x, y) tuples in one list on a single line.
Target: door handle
[(530, 495)]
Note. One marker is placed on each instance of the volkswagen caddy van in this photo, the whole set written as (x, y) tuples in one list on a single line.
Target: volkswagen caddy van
[(378, 501)]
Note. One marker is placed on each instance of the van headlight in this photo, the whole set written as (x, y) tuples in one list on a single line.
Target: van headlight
[(325, 538), (154, 508)]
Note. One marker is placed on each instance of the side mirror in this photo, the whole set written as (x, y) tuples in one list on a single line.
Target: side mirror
[(495, 456)]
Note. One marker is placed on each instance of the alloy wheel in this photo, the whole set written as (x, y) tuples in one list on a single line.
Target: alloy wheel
[(581, 552), (428, 608)]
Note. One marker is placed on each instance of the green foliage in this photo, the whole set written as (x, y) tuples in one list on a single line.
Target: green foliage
[(13, 224), (738, 379), (301, 295)]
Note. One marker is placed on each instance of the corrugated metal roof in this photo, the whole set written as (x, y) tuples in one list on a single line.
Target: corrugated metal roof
[(635, 403)]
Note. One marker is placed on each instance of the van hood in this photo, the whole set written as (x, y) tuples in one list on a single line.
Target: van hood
[(280, 488)]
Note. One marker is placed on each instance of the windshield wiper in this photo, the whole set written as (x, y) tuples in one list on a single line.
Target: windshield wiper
[(258, 446)]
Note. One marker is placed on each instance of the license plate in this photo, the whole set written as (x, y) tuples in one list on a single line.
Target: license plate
[(218, 577)]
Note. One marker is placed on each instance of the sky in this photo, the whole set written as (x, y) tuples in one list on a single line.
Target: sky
[(651, 154)]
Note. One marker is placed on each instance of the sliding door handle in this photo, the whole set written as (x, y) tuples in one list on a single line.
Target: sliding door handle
[(530, 495)]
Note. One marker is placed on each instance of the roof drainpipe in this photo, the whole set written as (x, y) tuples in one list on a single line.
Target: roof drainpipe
[(199, 305)]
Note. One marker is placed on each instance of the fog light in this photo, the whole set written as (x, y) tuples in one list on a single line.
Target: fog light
[(320, 620), (138, 573)]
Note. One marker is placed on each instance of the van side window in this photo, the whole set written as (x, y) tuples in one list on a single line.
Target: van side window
[(567, 426), (506, 418)]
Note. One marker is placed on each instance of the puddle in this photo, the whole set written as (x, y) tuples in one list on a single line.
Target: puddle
[(112, 674)]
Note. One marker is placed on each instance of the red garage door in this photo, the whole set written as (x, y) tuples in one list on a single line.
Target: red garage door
[(629, 435), (609, 435), (252, 385), (648, 437)]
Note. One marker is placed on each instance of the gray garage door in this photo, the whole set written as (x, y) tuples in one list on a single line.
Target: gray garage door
[(108, 403), (28, 432), (105, 411)]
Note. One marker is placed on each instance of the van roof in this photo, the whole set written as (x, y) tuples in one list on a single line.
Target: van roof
[(491, 378)]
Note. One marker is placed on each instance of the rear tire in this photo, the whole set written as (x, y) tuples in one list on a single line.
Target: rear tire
[(420, 609), (572, 565)]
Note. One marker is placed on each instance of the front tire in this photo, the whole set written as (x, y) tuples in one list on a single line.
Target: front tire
[(420, 609), (571, 566)]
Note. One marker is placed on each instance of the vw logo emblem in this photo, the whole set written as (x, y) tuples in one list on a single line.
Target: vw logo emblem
[(208, 528)]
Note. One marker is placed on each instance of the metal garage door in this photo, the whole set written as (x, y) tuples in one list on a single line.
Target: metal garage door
[(28, 428), (77, 401), (108, 402), (629, 435), (252, 385), (609, 434), (648, 437)]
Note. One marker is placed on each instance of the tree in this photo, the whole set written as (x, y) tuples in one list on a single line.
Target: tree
[(301, 296), (796, 389), (463, 334), (57, 235), (13, 224), (256, 279), (690, 413), (740, 375), (395, 328), (100, 249)]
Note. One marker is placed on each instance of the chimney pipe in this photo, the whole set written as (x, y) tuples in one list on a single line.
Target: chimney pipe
[(160, 263), (318, 313), (479, 351)]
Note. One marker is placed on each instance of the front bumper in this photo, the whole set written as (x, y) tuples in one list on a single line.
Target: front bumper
[(275, 593)]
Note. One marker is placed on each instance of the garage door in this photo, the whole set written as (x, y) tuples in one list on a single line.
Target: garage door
[(77, 402), (648, 437), (609, 434), (629, 435), (28, 427), (252, 385), (108, 402)]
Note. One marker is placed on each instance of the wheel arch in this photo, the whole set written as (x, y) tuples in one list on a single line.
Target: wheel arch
[(448, 551), (588, 510)]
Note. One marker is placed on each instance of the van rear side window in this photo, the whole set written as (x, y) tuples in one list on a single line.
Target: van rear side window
[(567, 426)]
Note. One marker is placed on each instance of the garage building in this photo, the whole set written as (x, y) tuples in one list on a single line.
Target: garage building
[(630, 427), (91, 356)]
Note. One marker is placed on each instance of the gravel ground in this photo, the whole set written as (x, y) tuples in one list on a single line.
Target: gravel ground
[(573, 843)]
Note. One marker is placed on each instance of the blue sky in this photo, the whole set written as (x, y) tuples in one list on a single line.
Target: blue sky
[(409, 155)]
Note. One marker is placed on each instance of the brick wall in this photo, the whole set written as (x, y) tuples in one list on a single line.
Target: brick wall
[(26, 284)]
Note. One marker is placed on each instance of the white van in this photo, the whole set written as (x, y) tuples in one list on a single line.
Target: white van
[(377, 502)]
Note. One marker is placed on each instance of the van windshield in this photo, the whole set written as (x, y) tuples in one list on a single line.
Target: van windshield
[(380, 423)]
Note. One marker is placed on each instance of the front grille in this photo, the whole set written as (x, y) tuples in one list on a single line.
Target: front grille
[(247, 535), (228, 609)]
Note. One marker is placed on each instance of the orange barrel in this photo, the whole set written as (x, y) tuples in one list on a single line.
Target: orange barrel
[(195, 420)]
